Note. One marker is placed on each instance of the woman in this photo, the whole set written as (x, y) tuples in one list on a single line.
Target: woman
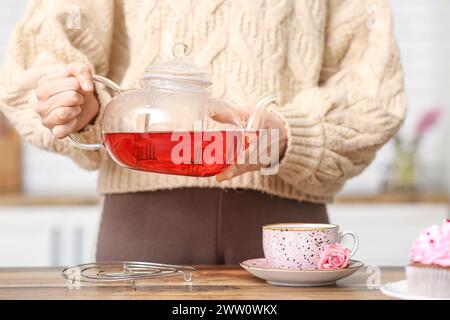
[(335, 65)]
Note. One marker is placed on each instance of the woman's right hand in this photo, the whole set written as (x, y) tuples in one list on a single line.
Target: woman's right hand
[(66, 101)]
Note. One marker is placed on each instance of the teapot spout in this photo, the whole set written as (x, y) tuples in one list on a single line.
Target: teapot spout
[(256, 119)]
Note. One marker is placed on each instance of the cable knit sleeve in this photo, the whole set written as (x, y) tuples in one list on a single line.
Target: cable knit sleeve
[(51, 35), (335, 129)]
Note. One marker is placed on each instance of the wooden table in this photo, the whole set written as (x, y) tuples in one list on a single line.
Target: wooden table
[(218, 282)]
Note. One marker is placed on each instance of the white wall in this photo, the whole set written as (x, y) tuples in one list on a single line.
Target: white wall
[(43, 172), (421, 27), (48, 236), (67, 235), (422, 33)]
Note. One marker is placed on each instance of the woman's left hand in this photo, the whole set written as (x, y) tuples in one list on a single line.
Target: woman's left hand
[(271, 121)]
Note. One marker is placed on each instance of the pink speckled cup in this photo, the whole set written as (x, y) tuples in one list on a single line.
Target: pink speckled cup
[(299, 245)]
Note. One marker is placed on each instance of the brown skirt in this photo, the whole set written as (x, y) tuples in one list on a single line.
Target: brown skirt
[(194, 225)]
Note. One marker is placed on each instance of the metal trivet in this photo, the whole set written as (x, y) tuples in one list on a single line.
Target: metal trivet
[(124, 271)]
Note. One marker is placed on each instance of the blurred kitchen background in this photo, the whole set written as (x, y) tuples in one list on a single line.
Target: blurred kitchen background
[(49, 211)]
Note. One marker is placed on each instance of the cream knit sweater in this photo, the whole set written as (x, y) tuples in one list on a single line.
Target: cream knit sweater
[(335, 65)]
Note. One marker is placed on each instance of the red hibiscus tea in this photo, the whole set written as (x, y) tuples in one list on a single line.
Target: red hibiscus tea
[(188, 153)]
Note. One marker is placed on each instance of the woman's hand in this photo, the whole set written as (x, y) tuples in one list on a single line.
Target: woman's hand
[(271, 121), (66, 101)]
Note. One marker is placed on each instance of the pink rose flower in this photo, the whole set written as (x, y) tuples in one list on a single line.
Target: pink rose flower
[(334, 256), (428, 120)]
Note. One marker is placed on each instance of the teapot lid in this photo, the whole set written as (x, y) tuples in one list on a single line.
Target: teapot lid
[(180, 68)]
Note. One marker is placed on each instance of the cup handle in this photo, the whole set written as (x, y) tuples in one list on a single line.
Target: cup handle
[(95, 146), (355, 241)]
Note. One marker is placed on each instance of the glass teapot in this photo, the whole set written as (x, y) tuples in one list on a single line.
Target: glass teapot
[(173, 125)]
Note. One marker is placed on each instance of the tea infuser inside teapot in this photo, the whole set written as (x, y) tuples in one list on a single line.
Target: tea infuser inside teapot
[(173, 125)]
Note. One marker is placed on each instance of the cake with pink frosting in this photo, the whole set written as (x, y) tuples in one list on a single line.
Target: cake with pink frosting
[(429, 271)]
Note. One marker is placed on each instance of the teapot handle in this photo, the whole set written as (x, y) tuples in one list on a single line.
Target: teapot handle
[(108, 83), (256, 119), (73, 136)]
